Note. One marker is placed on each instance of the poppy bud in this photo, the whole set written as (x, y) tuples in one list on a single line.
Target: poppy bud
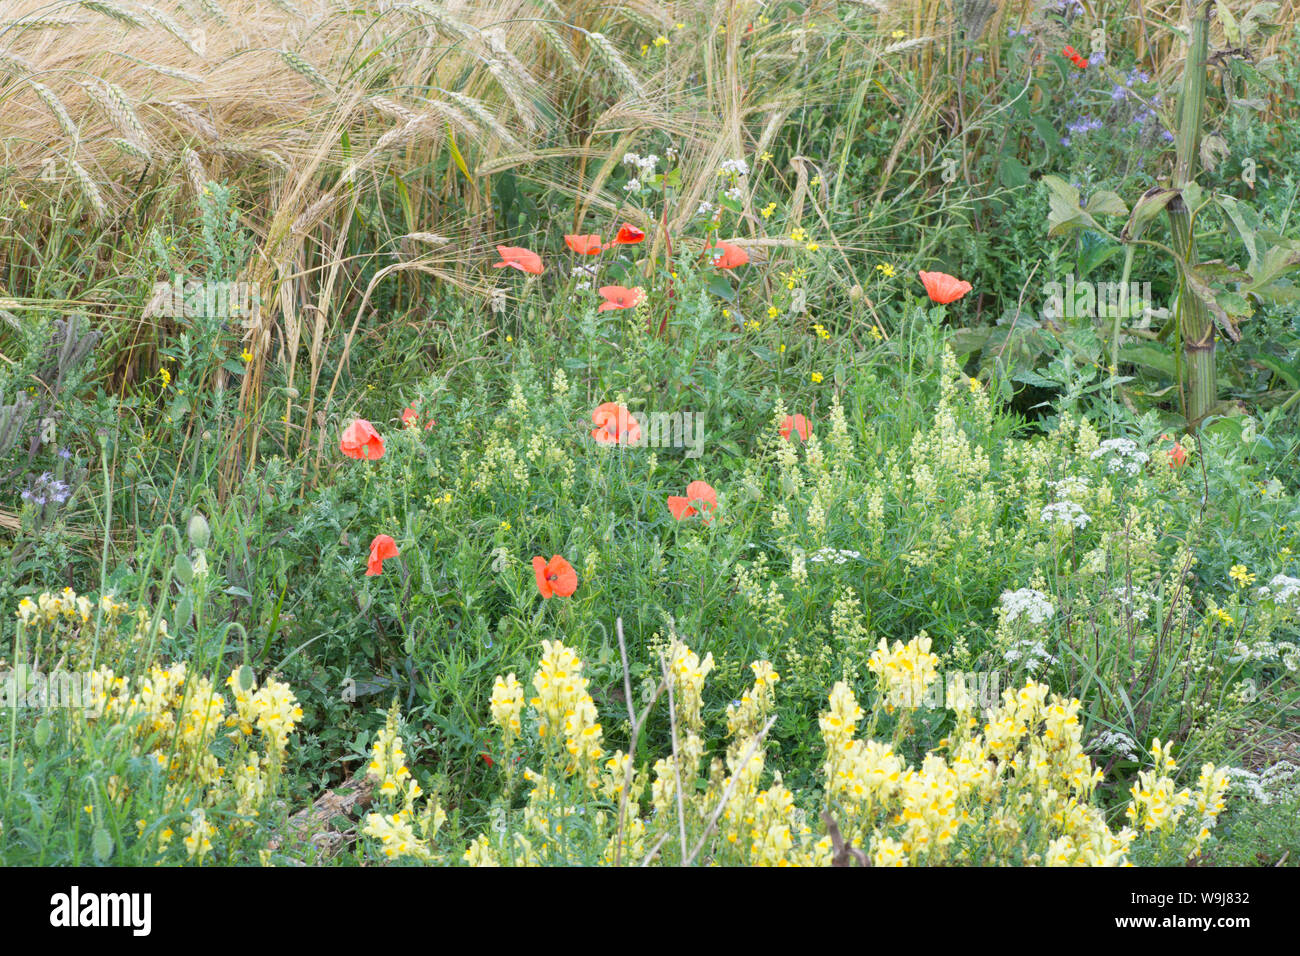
[(199, 531)]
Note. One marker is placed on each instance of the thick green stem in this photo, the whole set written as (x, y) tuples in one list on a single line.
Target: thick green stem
[(1195, 325)]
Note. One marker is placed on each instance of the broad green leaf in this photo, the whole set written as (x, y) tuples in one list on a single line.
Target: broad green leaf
[(1106, 203)]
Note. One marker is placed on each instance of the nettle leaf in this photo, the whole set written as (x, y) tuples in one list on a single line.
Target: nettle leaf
[(1106, 203), (1149, 205)]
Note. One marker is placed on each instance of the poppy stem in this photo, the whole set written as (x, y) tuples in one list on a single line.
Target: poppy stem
[(668, 242)]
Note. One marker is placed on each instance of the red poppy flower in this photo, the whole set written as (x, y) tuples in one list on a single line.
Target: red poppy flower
[(943, 288), (555, 577), (360, 440), (1177, 454), (1081, 63), (412, 417), (697, 493), (615, 425), (797, 424), (628, 235), (727, 256), (382, 548), (584, 245), (617, 297), (1069, 52), (486, 759), (519, 258)]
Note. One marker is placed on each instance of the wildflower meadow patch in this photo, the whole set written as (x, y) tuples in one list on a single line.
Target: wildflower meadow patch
[(562, 434)]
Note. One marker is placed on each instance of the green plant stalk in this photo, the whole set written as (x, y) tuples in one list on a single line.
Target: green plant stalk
[(1195, 326)]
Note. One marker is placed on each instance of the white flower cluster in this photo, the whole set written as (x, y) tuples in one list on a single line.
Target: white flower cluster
[(735, 193), (1027, 602), (1033, 653), (1283, 589), (1267, 652), (1279, 783), (1115, 742), (833, 555), (1134, 599), (1124, 456), (645, 165), (706, 210), (1070, 488), (734, 167), (1067, 513)]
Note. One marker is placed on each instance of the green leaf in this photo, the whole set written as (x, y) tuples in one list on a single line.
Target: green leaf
[(1245, 221), (43, 730), (1106, 203), (1200, 287), (1152, 357), (1148, 206), (1229, 22), (720, 287), (1065, 213), (1288, 372), (1012, 172)]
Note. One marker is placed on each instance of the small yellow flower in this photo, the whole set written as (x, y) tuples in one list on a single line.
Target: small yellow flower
[(812, 247), (799, 234), (509, 338), (782, 348), (166, 377), (886, 270), (766, 211), (766, 156), (898, 34), (246, 355), (661, 40), (773, 312), (817, 378), (645, 48), (1240, 574), (726, 313), (877, 334), (23, 205), (505, 526)]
